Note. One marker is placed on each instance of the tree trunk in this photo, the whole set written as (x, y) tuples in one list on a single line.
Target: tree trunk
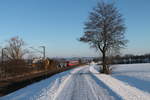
[(105, 67)]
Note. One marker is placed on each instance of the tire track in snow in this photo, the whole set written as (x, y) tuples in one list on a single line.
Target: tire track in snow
[(61, 87), (54, 89), (81, 86), (96, 97)]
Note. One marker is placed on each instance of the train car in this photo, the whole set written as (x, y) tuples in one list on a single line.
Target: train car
[(72, 63)]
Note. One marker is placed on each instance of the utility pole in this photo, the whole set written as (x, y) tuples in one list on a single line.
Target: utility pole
[(3, 55), (43, 51), (46, 72)]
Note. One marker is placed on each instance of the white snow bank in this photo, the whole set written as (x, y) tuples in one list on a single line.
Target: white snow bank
[(126, 91), (94, 68)]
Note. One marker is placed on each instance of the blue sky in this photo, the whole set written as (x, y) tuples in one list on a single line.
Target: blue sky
[(58, 24)]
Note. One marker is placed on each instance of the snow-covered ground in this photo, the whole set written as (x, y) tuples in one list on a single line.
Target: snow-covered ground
[(128, 82), (136, 75)]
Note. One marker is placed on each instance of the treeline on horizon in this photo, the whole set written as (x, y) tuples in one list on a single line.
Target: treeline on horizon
[(127, 59), (130, 59)]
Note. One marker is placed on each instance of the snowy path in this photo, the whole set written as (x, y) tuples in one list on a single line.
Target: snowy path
[(87, 84), (81, 86), (83, 83)]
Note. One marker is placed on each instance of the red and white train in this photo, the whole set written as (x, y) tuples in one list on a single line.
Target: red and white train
[(72, 63), (68, 63)]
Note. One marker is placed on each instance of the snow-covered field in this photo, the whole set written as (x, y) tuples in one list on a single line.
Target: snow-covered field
[(127, 82), (136, 75)]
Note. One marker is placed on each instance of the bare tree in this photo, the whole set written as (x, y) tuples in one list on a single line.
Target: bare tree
[(15, 49), (105, 30)]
